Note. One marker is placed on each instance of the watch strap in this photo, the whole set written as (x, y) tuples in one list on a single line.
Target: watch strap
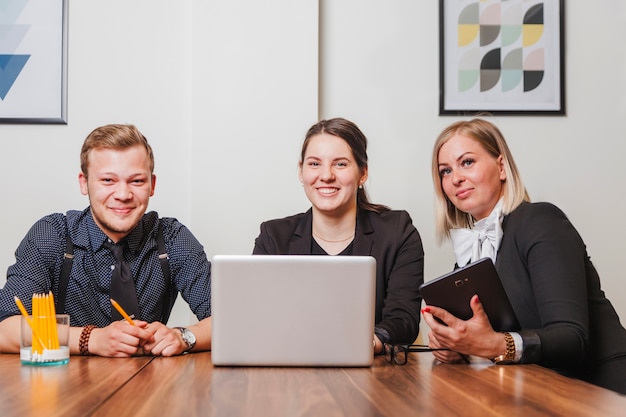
[(509, 355)]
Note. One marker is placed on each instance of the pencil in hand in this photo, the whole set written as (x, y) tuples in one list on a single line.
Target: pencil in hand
[(122, 312)]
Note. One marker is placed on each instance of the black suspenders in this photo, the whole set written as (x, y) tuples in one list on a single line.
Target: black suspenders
[(66, 268), (165, 267)]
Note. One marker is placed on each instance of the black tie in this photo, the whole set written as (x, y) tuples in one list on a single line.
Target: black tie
[(122, 284)]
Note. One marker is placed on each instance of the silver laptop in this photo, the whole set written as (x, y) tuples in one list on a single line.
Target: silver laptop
[(292, 310)]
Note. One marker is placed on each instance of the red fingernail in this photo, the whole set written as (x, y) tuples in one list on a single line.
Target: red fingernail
[(427, 310)]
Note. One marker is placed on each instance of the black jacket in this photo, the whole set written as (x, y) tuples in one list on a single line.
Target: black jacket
[(390, 238), (568, 323)]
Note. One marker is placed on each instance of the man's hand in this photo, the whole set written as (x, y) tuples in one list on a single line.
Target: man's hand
[(120, 339), (165, 341)]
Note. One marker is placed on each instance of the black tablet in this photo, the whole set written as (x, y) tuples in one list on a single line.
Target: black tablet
[(453, 292)]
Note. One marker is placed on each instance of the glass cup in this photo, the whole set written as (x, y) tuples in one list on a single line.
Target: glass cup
[(50, 344)]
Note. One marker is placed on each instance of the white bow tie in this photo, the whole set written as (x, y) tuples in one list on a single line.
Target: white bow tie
[(480, 242)]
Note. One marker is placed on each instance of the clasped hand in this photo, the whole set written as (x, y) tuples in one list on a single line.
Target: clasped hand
[(474, 336), (121, 339)]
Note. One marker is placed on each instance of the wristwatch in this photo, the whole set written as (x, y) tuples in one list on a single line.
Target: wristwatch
[(188, 337), (509, 355)]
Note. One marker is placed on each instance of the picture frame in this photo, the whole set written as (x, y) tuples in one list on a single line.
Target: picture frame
[(33, 62), (501, 57)]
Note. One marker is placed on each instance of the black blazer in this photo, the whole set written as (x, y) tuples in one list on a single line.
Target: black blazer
[(390, 238), (568, 323)]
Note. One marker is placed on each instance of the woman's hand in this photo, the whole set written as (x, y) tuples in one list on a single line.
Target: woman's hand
[(467, 337), (445, 356)]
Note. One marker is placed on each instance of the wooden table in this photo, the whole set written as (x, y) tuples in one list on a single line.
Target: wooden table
[(76, 389), (190, 385)]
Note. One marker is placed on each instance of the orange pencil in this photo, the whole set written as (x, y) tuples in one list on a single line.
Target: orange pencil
[(37, 323), (28, 320), (53, 314), (122, 312)]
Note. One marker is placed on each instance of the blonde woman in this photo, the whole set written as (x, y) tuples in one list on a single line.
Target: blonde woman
[(483, 207)]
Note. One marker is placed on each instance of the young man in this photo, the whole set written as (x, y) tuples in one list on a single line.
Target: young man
[(117, 166)]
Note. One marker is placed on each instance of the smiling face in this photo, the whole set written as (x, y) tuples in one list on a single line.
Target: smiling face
[(471, 177), (119, 184), (330, 175)]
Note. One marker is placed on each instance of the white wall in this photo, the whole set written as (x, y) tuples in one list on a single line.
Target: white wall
[(255, 95), (380, 69), (129, 62), (226, 89)]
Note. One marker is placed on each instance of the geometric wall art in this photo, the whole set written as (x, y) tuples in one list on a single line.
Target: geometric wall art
[(33, 61), (501, 56)]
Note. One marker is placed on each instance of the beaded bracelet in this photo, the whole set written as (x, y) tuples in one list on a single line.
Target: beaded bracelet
[(83, 343)]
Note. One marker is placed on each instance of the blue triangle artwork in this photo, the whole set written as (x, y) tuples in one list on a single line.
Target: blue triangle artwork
[(10, 68), (11, 35)]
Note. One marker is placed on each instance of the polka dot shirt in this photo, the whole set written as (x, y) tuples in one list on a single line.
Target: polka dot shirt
[(39, 258)]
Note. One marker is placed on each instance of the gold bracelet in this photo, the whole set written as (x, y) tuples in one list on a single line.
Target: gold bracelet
[(83, 342), (509, 355)]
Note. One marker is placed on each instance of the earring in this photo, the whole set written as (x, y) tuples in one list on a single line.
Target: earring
[(360, 186)]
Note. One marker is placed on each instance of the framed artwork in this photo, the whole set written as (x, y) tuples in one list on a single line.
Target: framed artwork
[(33, 61), (501, 57)]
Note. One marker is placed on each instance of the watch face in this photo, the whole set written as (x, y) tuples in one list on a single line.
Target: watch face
[(189, 337)]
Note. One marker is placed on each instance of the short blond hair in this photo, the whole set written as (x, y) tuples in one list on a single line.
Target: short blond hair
[(447, 216), (114, 136)]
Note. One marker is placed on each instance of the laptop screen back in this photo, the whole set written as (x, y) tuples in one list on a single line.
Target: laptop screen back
[(292, 310)]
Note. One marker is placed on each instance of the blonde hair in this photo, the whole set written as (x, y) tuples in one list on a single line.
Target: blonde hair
[(113, 136), (447, 216)]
